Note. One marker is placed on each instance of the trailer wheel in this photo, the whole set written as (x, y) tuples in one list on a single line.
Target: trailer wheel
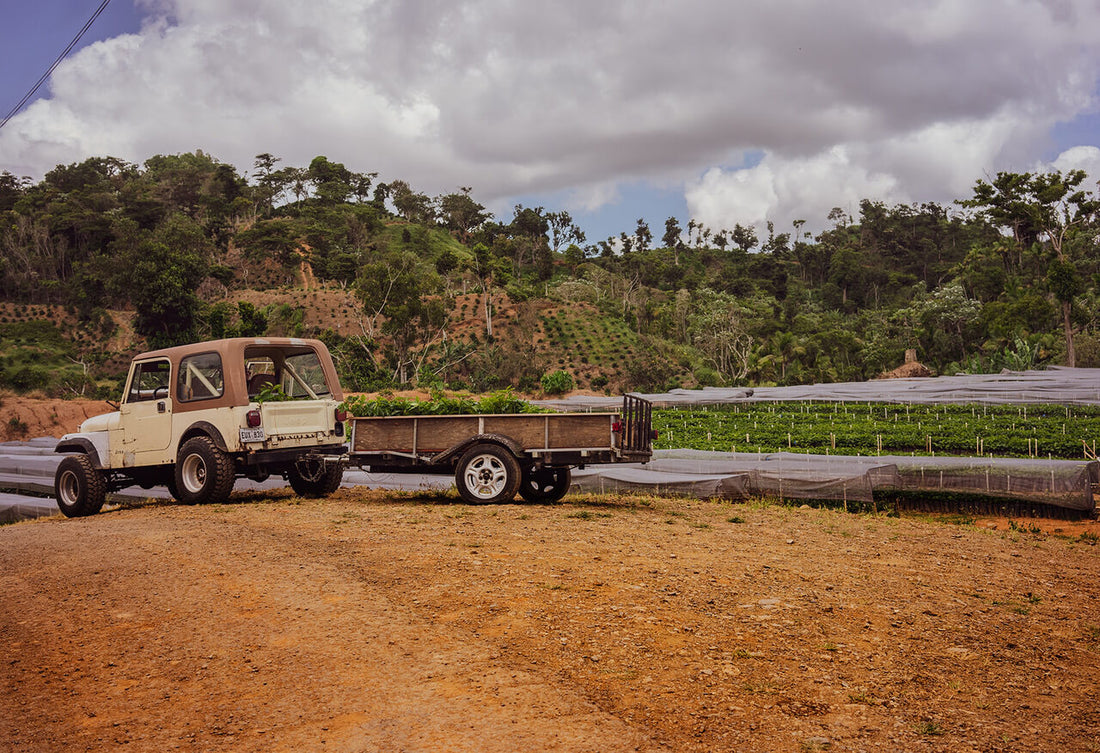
[(487, 474), (203, 473), (315, 478), (546, 484), (79, 488)]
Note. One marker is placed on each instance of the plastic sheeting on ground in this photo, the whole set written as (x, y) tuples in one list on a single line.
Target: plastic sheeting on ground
[(1062, 483), (1057, 385), (728, 475), (30, 467), (698, 473)]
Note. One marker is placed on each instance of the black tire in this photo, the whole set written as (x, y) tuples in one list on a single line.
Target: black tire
[(315, 478), (170, 484), (78, 487), (203, 473), (487, 474), (545, 484)]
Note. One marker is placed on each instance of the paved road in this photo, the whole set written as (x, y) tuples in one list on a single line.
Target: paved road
[(27, 470)]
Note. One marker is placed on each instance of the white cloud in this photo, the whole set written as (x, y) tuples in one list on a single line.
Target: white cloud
[(1085, 158), (845, 100), (939, 162), (782, 190)]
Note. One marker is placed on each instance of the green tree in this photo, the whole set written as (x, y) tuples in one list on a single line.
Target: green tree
[(159, 273), (718, 330), (1048, 208), (410, 204), (461, 214), (331, 180), (401, 301), (562, 229)]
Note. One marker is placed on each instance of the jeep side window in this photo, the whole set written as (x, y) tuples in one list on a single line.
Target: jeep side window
[(149, 381), (200, 378), (308, 378)]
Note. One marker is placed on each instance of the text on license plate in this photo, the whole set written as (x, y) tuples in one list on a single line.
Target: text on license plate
[(252, 435)]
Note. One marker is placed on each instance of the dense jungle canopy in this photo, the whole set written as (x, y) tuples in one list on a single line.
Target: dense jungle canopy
[(445, 294)]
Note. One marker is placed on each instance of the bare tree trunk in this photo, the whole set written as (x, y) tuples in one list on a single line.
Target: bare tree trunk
[(1071, 354), (488, 311)]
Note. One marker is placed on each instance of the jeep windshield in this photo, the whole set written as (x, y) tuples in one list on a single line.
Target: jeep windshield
[(284, 373)]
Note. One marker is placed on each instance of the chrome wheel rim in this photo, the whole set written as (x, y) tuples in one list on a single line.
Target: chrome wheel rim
[(193, 473), (69, 488), (485, 476)]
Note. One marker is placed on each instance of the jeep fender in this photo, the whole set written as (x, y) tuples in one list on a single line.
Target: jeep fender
[(205, 428), (92, 445)]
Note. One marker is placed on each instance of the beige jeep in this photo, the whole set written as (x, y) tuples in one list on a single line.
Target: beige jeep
[(197, 417)]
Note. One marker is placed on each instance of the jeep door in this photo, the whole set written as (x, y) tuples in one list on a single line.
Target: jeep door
[(146, 414)]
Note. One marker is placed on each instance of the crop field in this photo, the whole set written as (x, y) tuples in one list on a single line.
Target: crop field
[(1043, 431)]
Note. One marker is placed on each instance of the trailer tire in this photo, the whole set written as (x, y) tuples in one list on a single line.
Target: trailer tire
[(487, 474), (546, 484), (312, 481), (203, 473), (79, 488)]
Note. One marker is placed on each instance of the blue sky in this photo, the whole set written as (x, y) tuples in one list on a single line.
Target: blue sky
[(33, 34), (723, 112)]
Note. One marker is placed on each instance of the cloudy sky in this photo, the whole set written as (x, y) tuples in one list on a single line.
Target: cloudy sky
[(717, 110)]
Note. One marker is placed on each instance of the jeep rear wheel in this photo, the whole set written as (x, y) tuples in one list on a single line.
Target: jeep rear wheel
[(79, 488), (203, 473)]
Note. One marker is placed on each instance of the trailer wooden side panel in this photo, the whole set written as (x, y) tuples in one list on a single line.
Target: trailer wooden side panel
[(433, 434), (527, 429), (412, 433), (580, 430)]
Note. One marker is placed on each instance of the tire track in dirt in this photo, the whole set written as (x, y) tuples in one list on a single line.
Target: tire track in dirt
[(148, 630), (376, 623)]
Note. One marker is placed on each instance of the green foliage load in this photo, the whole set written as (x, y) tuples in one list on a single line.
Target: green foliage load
[(272, 393), (501, 401)]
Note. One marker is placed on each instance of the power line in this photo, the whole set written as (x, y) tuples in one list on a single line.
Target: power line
[(46, 75)]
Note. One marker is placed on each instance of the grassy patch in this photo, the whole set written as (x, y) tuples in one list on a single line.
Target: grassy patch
[(928, 728), (587, 515)]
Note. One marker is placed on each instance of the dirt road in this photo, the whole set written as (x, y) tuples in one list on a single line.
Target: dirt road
[(375, 623)]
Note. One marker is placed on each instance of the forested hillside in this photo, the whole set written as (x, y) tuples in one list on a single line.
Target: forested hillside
[(104, 258)]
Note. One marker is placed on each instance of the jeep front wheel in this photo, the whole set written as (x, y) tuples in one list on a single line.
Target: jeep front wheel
[(203, 474), (79, 488)]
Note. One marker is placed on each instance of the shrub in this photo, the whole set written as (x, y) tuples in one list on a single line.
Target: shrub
[(17, 427), (26, 378), (557, 382), (708, 377)]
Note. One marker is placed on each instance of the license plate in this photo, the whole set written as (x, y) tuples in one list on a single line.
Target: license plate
[(252, 435)]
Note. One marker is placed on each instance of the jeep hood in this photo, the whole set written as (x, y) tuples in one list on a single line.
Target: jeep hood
[(100, 423)]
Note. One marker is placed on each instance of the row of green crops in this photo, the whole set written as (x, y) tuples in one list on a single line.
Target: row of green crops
[(1056, 431)]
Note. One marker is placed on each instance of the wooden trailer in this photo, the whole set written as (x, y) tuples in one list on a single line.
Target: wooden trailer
[(494, 456)]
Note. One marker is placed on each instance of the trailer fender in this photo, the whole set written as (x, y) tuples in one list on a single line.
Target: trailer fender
[(451, 455)]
